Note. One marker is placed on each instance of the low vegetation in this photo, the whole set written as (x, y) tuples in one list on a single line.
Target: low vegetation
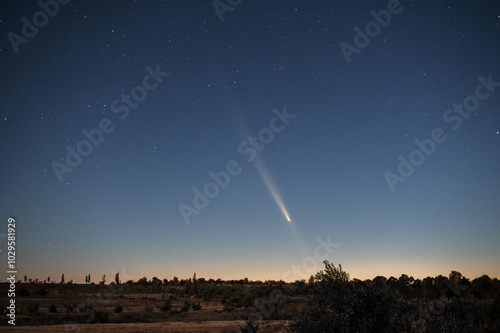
[(329, 302)]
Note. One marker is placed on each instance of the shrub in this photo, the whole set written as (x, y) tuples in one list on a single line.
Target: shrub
[(91, 313), (167, 306), (118, 309), (196, 306), (336, 305), (185, 306), (53, 308)]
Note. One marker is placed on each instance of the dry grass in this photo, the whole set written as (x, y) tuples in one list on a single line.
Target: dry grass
[(172, 327), (77, 304)]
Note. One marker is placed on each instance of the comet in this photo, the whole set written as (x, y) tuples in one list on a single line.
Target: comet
[(268, 181)]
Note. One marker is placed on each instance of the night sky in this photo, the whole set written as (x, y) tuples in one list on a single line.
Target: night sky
[(161, 138)]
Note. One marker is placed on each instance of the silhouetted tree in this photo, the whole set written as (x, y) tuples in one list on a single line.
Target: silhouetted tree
[(117, 278), (332, 275), (337, 305), (440, 284), (430, 291), (380, 280), (62, 278), (392, 281), (404, 283), (455, 277), (481, 286)]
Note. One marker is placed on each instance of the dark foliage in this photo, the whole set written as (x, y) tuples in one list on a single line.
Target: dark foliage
[(167, 306), (23, 292), (399, 305), (185, 306), (91, 313), (42, 291)]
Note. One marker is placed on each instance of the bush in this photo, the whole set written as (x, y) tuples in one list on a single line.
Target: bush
[(53, 308), (118, 309), (337, 305), (352, 309), (91, 313), (185, 306), (167, 306), (196, 306)]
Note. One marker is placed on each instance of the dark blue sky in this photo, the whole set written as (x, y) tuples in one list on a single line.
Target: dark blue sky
[(325, 167)]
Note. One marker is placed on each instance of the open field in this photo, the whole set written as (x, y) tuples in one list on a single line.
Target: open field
[(133, 308), (331, 301), (180, 327)]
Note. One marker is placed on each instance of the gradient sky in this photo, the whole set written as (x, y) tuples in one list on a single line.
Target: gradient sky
[(118, 210)]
